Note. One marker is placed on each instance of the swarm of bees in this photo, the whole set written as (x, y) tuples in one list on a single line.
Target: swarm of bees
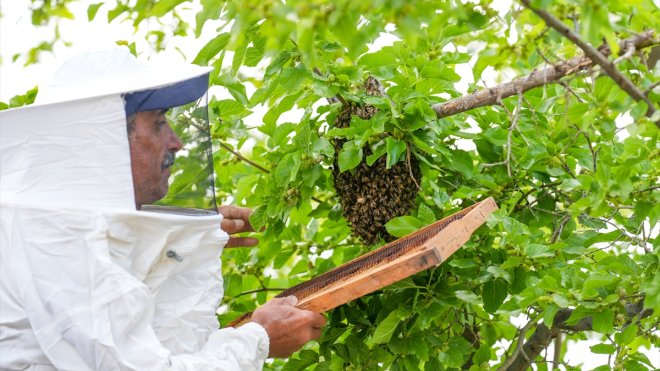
[(372, 195)]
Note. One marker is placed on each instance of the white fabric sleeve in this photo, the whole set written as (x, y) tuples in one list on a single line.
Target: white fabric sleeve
[(87, 313)]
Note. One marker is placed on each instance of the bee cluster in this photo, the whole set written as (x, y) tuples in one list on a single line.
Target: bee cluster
[(372, 195)]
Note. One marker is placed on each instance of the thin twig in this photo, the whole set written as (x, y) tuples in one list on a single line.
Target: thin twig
[(544, 57), (596, 56), (653, 86), (242, 158), (556, 359), (651, 188), (248, 161), (564, 166), (570, 90), (410, 167), (594, 154), (494, 164), (514, 124), (560, 228), (617, 227), (629, 52)]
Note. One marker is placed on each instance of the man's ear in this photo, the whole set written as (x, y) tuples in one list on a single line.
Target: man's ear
[(130, 123)]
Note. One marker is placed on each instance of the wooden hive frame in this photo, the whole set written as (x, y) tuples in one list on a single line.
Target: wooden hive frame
[(423, 249)]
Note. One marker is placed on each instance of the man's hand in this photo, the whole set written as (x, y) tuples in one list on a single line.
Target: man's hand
[(288, 327), (237, 220)]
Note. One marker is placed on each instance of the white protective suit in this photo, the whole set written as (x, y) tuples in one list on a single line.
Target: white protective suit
[(86, 281)]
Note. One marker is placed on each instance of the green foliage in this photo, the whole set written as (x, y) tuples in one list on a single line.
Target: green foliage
[(21, 100), (575, 177)]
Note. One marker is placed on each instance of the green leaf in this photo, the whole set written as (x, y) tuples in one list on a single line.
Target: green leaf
[(539, 251), (493, 293), (560, 300), (232, 285), (258, 217), (463, 263), (350, 156), (549, 315), (386, 327), (436, 69), (468, 297), (425, 214), (383, 57), (292, 77), (482, 355), (163, 7), (579, 313), (652, 289), (277, 64), (323, 146), (378, 150), (130, 46), (599, 280), (499, 272), (603, 349), (210, 10), (462, 162), (626, 336), (229, 107), (403, 225), (239, 54), (211, 49), (395, 150), (255, 54), (92, 10), (22, 99), (603, 321)]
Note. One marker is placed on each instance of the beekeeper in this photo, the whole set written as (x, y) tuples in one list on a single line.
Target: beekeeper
[(91, 276)]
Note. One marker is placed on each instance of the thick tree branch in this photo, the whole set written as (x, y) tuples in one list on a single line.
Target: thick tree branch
[(549, 75), (519, 346), (542, 337), (596, 56)]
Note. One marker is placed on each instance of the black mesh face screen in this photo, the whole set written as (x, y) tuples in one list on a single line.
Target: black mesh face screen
[(191, 183)]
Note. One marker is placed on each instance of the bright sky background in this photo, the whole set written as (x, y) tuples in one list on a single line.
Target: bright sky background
[(17, 35)]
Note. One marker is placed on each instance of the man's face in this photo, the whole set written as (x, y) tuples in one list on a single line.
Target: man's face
[(153, 145)]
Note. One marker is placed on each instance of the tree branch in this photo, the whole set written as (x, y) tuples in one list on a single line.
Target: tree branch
[(549, 75), (519, 346), (539, 340), (556, 359), (596, 56), (542, 337)]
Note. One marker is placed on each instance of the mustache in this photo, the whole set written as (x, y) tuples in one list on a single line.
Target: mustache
[(168, 160)]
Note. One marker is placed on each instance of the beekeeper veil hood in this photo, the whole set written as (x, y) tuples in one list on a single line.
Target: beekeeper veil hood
[(72, 147)]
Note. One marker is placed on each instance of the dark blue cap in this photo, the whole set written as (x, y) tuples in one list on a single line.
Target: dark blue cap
[(167, 97)]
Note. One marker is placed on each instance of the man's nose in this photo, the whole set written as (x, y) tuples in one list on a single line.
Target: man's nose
[(174, 142)]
